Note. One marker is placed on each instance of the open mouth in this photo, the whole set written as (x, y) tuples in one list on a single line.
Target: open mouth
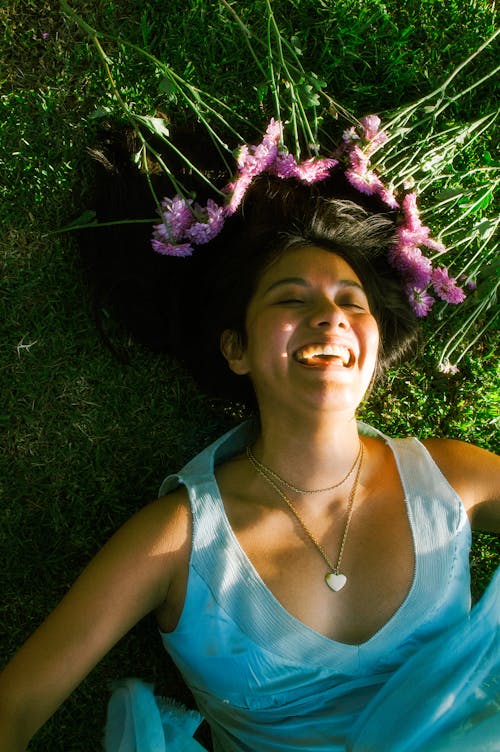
[(315, 355)]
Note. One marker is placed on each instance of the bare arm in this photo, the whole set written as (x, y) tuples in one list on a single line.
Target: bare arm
[(130, 577), (474, 473)]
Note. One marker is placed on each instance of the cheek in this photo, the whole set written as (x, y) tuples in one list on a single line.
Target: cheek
[(375, 338), (268, 337), (269, 327), (372, 342), (375, 367)]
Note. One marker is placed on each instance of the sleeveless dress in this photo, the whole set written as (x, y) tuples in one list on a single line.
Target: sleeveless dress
[(429, 679)]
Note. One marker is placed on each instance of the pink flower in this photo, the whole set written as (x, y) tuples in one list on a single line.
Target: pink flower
[(366, 182), (370, 125), (237, 190), (273, 131), (211, 222), (309, 171), (253, 160), (313, 170), (420, 301), (446, 287), (368, 130), (172, 249), (413, 232), (388, 197), (359, 175), (447, 367), (412, 218), (358, 160), (350, 135)]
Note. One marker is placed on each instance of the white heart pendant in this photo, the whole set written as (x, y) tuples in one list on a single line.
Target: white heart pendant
[(335, 581)]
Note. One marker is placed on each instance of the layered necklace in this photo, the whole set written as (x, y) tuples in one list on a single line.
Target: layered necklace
[(334, 578)]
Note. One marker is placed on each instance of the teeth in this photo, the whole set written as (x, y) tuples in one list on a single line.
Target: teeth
[(318, 351)]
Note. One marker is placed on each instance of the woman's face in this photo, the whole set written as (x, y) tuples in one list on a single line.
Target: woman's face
[(312, 340)]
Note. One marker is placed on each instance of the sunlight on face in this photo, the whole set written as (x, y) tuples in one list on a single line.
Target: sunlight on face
[(310, 313)]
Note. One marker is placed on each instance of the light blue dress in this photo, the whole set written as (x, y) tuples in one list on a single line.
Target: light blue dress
[(429, 679)]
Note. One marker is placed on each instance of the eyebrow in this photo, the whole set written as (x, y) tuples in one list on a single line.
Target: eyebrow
[(301, 282)]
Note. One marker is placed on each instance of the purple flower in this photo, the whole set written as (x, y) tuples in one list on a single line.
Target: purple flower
[(177, 217), (285, 165), (415, 268), (211, 222), (172, 249), (420, 301), (446, 287)]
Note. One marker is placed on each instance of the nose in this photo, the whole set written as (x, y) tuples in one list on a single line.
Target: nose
[(327, 314)]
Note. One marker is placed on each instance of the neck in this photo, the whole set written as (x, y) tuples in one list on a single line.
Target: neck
[(308, 453)]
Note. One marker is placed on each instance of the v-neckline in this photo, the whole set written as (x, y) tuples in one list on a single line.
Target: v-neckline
[(271, 601)]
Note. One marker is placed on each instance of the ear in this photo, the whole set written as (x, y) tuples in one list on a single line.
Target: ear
[(234, 352)]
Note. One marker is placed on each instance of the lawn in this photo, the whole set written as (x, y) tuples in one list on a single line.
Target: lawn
[(88, 438)]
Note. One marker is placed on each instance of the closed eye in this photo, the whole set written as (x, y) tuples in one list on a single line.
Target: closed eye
[(353, 305), (290, 301), (358, 302)]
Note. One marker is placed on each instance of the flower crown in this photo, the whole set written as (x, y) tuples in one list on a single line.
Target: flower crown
[(186, 224)]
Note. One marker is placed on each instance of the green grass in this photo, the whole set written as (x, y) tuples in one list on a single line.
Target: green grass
[(87, 439)]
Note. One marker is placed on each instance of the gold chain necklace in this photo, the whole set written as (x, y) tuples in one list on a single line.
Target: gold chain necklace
[(335, 579), (271, 474)]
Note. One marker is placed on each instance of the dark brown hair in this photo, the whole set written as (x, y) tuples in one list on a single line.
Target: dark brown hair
[(183, 305)]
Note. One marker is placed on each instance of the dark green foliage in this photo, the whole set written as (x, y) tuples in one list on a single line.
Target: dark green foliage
[(88, 439)]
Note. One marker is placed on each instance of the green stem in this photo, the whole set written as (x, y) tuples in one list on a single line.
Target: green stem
[(442, 88), (93, 225), (247, 35), (274, 86)]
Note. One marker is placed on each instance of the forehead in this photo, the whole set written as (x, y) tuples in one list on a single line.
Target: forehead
[(309, 263)]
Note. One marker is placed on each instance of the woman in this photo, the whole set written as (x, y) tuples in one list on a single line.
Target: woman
[(302, 565)]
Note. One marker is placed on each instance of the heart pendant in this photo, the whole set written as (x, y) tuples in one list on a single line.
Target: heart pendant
[(335, 581)]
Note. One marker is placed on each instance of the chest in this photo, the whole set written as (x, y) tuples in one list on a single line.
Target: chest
[(377, 558)]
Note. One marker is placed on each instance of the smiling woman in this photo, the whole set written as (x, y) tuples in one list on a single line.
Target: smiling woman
[(278, 217), (321, 346), (307, 572)]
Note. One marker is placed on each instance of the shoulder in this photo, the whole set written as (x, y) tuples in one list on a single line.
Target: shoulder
[(474, 473), (163, 525), (150, 549), (466, 464)]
